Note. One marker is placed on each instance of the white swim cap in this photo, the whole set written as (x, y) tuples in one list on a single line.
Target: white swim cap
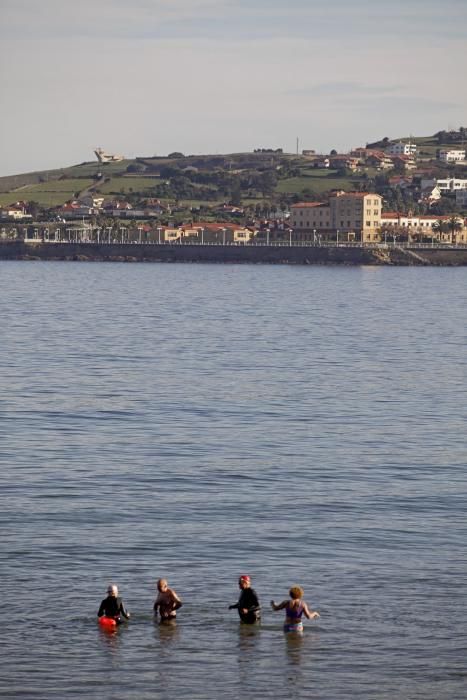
[(112, 589)]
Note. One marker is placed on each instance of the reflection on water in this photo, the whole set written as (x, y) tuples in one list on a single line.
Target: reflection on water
[(294, 646), (167, 632)]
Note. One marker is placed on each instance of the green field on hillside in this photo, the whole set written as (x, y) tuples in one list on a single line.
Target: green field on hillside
[(52, 193), (94, 167), (124, 185)]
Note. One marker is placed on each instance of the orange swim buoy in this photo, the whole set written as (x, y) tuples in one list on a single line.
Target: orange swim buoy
[(107, 623)]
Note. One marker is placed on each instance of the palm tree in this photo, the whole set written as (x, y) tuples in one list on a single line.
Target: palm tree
[(439, 227), (453, 225)]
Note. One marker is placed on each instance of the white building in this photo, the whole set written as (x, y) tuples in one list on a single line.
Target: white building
[(452, 155), (14, 213), (402, 149), (393, 223), (450, 184)]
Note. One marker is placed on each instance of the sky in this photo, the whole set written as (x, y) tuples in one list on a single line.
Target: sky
[(148, 77)]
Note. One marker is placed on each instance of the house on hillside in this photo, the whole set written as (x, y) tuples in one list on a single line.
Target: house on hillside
[(75, 210), (430, 194), (405, 162), (15, 212), (451, 155), (402, 149), (116, 208), (379, 159), (344, 161)]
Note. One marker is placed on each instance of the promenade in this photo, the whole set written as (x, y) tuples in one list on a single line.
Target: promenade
[(330, 253)]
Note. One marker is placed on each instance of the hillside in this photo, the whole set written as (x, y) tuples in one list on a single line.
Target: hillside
[(249, 180)]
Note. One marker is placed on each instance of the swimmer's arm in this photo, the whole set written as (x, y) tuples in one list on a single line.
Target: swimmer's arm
[(176, 602), (279, 606), (124, 612), (310, 614)]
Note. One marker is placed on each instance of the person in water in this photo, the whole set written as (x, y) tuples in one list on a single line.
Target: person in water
[(294, 609), (112, 606), (248, 605), (167, 601)]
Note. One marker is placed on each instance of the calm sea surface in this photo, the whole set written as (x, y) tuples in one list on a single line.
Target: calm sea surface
[(300, 424)]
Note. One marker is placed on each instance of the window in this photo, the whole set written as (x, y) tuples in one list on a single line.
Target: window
[(376, 212), (368, 223)]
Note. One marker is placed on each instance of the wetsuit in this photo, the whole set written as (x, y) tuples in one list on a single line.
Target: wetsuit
[(112, 607), (249, 601)]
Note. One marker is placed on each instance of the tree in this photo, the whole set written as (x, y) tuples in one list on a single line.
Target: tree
[(453, 225), (236, 195), (267, 183), (439, 227)]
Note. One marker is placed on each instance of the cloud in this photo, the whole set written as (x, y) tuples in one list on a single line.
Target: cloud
[(248, 19), (340, 89), (56, 19)]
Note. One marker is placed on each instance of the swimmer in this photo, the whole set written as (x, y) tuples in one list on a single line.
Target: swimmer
[(294, 609), (167, 601), (248, 605), (112, 606)]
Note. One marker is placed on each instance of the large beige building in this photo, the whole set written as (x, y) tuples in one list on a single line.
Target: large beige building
[(351, 215)]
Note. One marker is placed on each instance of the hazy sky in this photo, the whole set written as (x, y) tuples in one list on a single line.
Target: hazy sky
[(145, 77)]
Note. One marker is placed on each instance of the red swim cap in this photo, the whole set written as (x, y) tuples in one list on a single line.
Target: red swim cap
[(245, 578)]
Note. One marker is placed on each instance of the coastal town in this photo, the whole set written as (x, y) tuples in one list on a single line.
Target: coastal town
[(409, 191)]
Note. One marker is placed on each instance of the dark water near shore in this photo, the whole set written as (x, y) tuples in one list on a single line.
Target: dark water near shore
[(302, 425)]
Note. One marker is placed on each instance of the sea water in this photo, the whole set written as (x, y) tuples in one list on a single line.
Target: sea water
[(298, 424)]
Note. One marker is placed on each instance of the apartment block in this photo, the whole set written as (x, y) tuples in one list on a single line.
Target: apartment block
[(354, 215)]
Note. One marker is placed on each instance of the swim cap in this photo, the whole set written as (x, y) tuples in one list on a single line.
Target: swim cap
[(112, 589), (244, 578)]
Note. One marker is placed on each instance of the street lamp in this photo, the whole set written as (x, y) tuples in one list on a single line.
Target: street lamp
[(159, 229), (290, 237), (337, 237), (314, 236)]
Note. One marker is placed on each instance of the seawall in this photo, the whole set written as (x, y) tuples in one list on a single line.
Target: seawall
[(274, 254)]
